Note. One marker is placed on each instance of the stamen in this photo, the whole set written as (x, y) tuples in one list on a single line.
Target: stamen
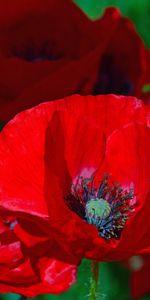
[(107, 206), (96, 210)]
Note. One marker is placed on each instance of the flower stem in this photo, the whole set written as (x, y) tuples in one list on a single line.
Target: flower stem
[(94, 280), (22, 297)]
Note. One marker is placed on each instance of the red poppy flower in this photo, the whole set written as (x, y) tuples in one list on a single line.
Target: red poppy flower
[(27, 273), (122, 61), (37, 40), (79, 165), (38, 65)]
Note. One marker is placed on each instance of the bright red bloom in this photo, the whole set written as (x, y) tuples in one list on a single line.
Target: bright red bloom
[(93, 57), (45, 150), (24, 271)]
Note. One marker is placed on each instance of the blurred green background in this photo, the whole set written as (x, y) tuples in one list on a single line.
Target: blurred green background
[(114, 279)]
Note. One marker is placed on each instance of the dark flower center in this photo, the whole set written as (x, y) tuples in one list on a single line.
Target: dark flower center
[(111, 79), (107, 206), (32, 53)]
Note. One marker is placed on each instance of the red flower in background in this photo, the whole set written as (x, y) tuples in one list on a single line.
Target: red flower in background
[(35, 30), (139, 267), (122, 59), (51, 49), (140, 277), (37, 41), (54, 158)]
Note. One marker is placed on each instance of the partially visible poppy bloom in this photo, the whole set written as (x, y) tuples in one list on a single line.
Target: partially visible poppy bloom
[(139, 267), (121, 54), (93, 57), (26, 272), (48, 30), (37, 40), (140, 277), (77, 165)]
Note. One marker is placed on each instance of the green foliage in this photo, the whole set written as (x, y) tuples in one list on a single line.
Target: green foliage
[(10, 296)]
